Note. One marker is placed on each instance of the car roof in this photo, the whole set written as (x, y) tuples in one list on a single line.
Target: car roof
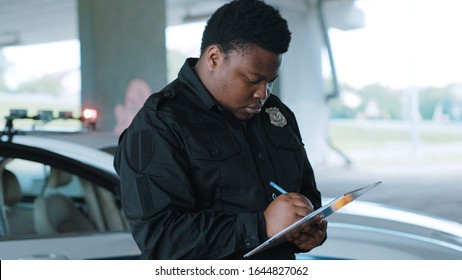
[(87, 155), (88, 163), (90, 138)]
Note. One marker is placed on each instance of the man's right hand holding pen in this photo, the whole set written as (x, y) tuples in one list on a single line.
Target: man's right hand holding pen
[(288, 208)]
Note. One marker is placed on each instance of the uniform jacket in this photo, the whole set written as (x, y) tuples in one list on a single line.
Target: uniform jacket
[(195, 180)]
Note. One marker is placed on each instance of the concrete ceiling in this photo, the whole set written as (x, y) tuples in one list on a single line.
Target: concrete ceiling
[(24, 22)]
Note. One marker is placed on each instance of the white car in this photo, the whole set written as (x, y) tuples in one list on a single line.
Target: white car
[(59, 200), (371, 231)]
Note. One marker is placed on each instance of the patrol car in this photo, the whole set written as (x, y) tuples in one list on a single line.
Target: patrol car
[(58, 199)]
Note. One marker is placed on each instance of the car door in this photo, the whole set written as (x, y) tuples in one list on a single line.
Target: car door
[(54, 207)]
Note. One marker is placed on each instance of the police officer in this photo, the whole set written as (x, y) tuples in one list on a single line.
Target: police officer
[(196, 162)]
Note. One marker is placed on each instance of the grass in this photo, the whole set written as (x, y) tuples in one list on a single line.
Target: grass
[(376, 142), (351, 135)]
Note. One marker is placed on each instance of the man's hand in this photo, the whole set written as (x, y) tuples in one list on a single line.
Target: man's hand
[(285, 210), (289, 208), (309, 236)]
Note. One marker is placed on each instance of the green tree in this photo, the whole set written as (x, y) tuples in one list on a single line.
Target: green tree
[(338, 110), (431, 97), (388, 100)]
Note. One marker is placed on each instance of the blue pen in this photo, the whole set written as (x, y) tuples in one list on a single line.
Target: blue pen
[(274, 185)]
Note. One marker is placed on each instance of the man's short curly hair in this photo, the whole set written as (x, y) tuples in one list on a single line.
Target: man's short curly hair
[(242, 22)]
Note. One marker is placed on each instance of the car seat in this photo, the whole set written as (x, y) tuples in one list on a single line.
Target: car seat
[(19, 219), (56, 213)]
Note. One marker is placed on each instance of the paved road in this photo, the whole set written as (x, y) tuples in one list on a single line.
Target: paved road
[(435, 189)]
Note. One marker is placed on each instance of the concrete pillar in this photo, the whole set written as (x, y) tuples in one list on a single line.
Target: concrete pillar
[(302, 85), (120, 41), (301, 81)]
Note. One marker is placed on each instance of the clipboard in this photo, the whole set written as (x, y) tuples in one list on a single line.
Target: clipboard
[(322, 212)]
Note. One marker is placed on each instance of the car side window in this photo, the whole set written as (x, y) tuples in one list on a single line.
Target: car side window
[(41, 200)]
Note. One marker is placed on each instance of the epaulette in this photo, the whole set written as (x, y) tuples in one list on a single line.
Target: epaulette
[(157, 99)]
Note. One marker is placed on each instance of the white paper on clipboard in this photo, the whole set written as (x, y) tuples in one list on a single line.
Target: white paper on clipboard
[(322, 212)]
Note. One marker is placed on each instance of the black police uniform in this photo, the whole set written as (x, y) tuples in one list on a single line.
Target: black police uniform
[(195, 180)]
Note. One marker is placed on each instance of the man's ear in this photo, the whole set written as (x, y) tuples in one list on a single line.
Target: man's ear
[(214, 56)]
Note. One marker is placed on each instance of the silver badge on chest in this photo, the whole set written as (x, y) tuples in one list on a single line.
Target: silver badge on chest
[(276, 117)]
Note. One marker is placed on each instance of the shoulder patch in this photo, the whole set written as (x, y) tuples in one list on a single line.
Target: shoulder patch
[(142, 148)]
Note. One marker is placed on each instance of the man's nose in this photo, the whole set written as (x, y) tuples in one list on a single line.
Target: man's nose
[(262, 92)]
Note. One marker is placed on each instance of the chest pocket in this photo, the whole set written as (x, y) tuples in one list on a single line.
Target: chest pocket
[(212, 146), (283, 139), (288, 158), (213, 166)]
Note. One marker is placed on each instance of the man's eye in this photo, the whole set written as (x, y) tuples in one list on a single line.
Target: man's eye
[(250, 81)]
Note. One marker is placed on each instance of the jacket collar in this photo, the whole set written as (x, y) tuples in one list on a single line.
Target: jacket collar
[(188, 76)]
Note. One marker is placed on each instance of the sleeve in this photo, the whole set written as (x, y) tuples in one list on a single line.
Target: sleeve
[(309, 187), (159, 201)]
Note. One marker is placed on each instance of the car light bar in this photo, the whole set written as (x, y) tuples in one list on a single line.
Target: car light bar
[(65, 115), (88, 118), (45, 115), (18, 113), (90, 114)]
